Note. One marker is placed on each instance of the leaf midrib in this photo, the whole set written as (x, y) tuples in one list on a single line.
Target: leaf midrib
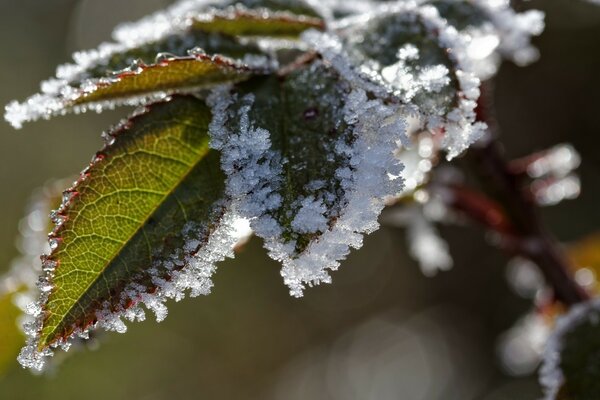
[(44, 343)]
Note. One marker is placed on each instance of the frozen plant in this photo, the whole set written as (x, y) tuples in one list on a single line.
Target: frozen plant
[(296, 120)]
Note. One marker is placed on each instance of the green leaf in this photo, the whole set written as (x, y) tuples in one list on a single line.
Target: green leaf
[(295, 147), (177, 45), (122, 74), (298, 7), (378, 44), (127, 220), (571, 369), (303, 112), (257, 23), (168, 75)]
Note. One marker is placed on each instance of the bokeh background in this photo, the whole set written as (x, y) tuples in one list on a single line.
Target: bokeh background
[(382, 330)]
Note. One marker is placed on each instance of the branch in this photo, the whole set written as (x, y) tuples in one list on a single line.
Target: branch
[(536, 243)]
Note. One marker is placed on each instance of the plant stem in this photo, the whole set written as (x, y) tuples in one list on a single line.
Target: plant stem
[(537, 243)]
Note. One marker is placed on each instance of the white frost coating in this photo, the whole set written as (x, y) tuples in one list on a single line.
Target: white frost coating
[(254, 173), (425, 245), (514, 30), (56, 94), (551, 376), (552, 172), (373, 175), (550, 192), (458, 124), (194, 277)]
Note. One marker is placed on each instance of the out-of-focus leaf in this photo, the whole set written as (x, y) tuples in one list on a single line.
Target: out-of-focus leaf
[(11, 337), (585, 258), (403, 48), (125, 220), (571, 369)]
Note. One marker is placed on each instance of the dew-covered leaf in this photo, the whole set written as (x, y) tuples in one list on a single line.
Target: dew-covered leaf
[(243, 22), (571, 368), (311, 160), (146, 221)]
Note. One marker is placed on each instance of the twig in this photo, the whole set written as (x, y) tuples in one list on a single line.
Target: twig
[(537, 243)]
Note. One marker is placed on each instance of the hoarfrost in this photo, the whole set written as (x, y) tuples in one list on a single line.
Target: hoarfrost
[(73, 81), (254, 172), (194, 278), (551, 375), (398, 80)]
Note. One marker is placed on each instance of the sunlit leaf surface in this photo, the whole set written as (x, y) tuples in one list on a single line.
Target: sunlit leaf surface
[(125, 220)]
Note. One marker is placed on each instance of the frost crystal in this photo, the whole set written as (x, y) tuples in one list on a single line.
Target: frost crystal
[(551, 375), (169, 29), (254, 174), (194, 277), (424, 85)]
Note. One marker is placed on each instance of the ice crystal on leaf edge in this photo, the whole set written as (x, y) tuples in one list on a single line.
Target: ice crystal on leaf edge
[(380, 125)]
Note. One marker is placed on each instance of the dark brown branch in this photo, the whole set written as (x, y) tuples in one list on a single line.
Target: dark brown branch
[(537, 243)]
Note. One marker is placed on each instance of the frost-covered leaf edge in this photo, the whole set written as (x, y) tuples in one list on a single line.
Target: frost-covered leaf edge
[(199, 268)]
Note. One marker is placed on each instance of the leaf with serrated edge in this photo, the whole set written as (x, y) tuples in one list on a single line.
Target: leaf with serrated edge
[(309, 167), (132, 73), (170, 74), (146, 220), (175, 45), (240, 21)]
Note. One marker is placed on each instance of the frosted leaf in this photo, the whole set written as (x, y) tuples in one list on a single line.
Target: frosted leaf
[(570, 359), (138, 84), (313, 185), (147, 45), (492, 31), (153, 261), (410, 53)]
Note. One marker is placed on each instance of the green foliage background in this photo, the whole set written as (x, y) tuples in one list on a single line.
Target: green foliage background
[(238, 342)]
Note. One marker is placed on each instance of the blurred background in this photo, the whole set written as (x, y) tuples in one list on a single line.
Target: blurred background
[(382, 330)]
